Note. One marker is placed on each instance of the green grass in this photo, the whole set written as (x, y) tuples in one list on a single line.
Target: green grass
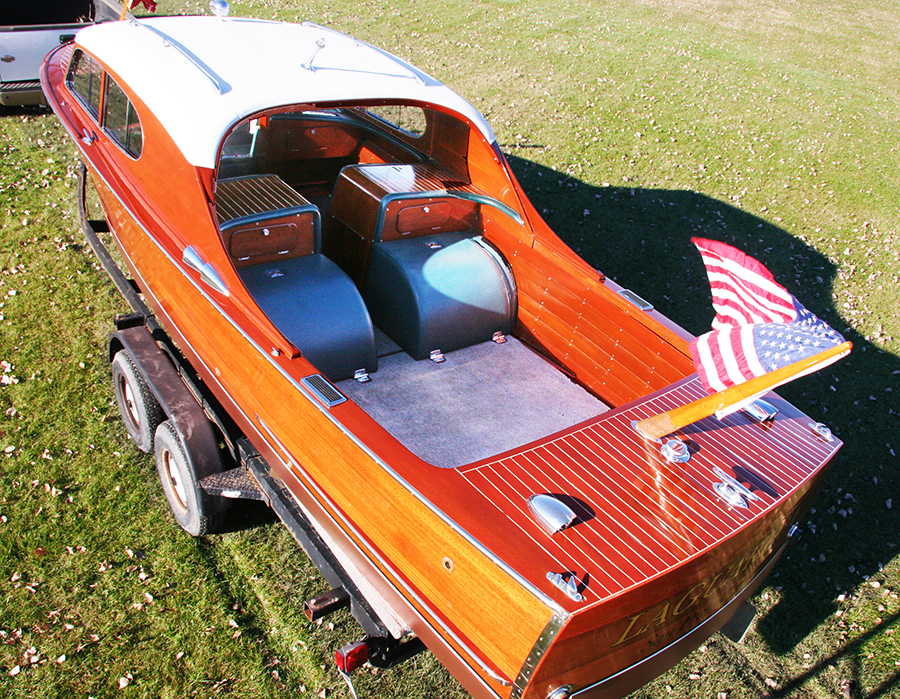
[(633, 126)]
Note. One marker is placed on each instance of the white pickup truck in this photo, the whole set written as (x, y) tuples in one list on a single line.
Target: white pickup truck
[(29, 29)]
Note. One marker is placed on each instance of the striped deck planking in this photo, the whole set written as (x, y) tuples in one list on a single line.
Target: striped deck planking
[(641, 515)]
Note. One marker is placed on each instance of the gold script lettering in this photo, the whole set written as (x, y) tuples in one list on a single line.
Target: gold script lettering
[(660, 618), (624, 636), (689, 594), (701, 590)]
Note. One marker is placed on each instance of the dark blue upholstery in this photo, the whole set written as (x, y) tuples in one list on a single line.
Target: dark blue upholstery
[(442, 291), (316, 306)]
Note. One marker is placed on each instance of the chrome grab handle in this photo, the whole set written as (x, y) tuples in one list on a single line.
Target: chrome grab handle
[(88, 137)]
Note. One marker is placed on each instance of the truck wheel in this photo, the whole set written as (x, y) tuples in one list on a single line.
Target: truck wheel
[(194, 509), (140, 410)]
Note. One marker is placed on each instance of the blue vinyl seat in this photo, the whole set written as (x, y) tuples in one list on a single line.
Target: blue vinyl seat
[(273, 236), (442, 291), (316, 306)]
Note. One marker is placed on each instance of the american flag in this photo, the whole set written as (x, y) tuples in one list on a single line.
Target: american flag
[(759, 326)]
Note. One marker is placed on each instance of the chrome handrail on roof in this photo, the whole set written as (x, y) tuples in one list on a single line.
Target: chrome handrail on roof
[(168, 41)]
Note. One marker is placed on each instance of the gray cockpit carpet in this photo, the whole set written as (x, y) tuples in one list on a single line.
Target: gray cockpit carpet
[(484, 400)]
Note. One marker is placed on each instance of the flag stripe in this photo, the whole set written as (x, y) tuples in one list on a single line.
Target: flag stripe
[(730, 369), (749, 348), (773, 310)]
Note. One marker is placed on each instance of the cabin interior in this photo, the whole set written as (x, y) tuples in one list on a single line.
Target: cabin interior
[(361, 235)]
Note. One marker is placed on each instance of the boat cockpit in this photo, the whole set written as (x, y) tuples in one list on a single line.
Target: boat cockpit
[(359, 233)]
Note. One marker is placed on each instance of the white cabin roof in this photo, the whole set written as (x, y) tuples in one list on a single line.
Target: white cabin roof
[(201, 75)]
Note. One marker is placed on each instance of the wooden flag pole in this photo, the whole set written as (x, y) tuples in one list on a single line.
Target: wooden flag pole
[(124, 9), (665, 423)]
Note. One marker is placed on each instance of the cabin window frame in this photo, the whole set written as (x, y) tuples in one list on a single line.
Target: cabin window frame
[(128, 129), (95, 70)]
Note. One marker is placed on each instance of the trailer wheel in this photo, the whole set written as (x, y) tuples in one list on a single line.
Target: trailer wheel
[(193, 508), (140, 410)]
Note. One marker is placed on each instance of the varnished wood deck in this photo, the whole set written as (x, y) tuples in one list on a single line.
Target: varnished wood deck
[(640, 515)]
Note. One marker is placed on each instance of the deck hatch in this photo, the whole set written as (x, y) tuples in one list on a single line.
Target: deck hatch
[(323, 390)]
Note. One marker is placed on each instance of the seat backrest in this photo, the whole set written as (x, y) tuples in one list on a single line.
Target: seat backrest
[(262, 219), (385, 202), (411, 217)]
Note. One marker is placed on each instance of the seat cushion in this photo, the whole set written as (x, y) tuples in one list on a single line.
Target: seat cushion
[(442, 291), (316, 306)]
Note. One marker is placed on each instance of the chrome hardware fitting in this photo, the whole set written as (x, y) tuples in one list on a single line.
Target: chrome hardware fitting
[(437, 356), (676, 451), (361, 376), (275, 352), (760, 411), (734, 493), (567, 583), (322, 389), (220, 8), (499, 338), (561, 692), (208, 274), (629, 295), (88, 137), (551, 513), (434, 246), (821, 431), (320, 44)]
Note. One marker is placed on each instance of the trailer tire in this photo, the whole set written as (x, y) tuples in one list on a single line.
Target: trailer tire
[(140, 410), (194, 509)]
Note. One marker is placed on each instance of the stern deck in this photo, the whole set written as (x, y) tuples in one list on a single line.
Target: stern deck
[(638, 514)]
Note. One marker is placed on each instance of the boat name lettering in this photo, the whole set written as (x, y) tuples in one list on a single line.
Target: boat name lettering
[(677, 605)]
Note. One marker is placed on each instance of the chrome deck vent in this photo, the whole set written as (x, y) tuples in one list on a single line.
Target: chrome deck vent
[(552, 514), (323, 390), (761, 411)]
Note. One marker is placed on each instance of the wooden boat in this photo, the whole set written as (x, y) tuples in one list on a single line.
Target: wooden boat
[(409, 365)]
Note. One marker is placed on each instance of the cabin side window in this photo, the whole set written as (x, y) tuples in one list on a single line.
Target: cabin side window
[(120, 120), (84, 81), (408, 119)]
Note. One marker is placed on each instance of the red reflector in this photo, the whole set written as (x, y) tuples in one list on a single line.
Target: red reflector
[(351, 656)]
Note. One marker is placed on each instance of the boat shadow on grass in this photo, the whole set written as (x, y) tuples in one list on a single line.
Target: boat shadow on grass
[(641, 238)]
